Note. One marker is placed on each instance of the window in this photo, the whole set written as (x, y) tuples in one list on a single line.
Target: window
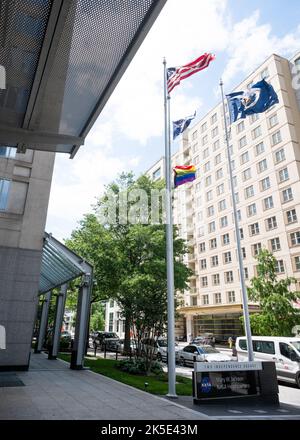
[(279, 266), (297, 263), (256, 248), (202, 247), (243, 142), (220, 189), (254, 117), (211, 227), (201, 231), (295, 238), (246, 273), (111, 322), (241, 233), (230, 151), (214, 118), (256, 132), (271, 223), (156, 174), (198, 186), (227, 257), (234, 181), (251, 210), (203, 127), (273, 120), (259, 148), (194, 135), (193, 301), (218, 299), (265, 184), (204, 139), (218, 159), (203, 264), (268, 203), (216, 145), (214, 132), (205, 300), (205, 153), (244, 252), (225, 239), (228, 277), (196, 160), (264, 347), (262, 166), (246, 175), (195, 147), (276, 138), (291, 216), (275, 244), (4, 192), (9, 152), (283, 175), (219, 173), (209, 195), (207, 167), (279, 155), (231, 296), (204, 282), (286, 350), (287, 195), (222, 205), (208, 181), (249, 192), (236, 197), (254, 229), (214, 261), (213, 243), (210, 211), (224, 221), (216, 279), (240, 127), (244, 158), (111, 303)]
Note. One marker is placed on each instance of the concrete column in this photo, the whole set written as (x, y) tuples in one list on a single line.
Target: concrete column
[(189, 327), (82, 321), (59, 316), (43, 323)]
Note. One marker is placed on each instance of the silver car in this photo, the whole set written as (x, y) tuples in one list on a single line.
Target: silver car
[(203, 353)]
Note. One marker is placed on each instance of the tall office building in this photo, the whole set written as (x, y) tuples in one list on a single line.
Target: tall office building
[(265, 155)]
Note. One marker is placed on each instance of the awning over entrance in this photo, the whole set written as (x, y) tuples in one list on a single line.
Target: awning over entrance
[(63, 59), (60, 265)]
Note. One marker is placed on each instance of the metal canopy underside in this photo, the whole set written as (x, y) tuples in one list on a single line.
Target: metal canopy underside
[(63, 59), (59, 265)]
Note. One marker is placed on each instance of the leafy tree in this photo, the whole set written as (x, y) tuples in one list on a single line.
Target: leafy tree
[(97, 321), (277, 315)]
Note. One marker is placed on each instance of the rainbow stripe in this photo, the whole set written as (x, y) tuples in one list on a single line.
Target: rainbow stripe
[(184, 174)]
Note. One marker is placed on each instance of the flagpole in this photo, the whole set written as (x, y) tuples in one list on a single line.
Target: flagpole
[(238, 241), (169, 246)]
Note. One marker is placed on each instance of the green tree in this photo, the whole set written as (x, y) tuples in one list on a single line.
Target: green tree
[(275, 297), (97, 321)]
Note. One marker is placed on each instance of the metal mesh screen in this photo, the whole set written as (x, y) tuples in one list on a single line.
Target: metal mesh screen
[(95, 38), (22, 28)]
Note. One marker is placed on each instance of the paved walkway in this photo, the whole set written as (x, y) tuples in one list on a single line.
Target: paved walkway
[(53, 391)]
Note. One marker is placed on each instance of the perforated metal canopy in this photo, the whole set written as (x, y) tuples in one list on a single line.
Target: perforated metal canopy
[(63, 59), (60, 265)]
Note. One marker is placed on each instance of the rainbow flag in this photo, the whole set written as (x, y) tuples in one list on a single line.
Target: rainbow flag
[(184, 174)]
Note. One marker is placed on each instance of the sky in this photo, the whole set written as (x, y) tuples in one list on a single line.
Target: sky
[(129, 133)]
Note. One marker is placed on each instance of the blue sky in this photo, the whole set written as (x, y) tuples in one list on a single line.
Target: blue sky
[(128, 135)]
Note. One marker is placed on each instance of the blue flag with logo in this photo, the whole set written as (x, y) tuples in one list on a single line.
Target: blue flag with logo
[(257, 99), (180, 125)]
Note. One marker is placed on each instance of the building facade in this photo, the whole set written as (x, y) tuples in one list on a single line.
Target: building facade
[(265, 153)]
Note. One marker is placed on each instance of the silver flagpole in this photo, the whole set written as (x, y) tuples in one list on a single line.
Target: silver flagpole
[(238, 241), (169, 247)]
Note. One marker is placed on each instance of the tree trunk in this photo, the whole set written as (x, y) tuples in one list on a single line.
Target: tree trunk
[(127, 336)]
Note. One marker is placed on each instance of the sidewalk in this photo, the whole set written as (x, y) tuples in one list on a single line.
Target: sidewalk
[(53, 391)]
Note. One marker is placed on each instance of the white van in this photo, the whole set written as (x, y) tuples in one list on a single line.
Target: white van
[(284, 351)]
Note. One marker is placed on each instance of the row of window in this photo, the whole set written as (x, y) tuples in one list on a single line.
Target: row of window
[(217, 298)]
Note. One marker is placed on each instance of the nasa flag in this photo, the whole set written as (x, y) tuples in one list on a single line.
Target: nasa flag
[(257, 99)]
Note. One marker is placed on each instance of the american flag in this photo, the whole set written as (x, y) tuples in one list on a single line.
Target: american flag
[(176, 74)]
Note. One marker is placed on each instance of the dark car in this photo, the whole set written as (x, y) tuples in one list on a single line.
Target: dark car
[(106, 340)]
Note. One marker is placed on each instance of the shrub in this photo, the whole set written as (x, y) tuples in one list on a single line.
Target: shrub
[(138, 366)]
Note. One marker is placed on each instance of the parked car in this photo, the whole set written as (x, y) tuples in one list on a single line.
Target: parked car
[(109, 340), (159, 347), (133, 345), (65, 340), (205, 339), (203, 353), (284, 351)]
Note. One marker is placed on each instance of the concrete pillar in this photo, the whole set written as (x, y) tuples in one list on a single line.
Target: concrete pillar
[(82, 322), (189, 328), (59, 316), (43, 323)]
